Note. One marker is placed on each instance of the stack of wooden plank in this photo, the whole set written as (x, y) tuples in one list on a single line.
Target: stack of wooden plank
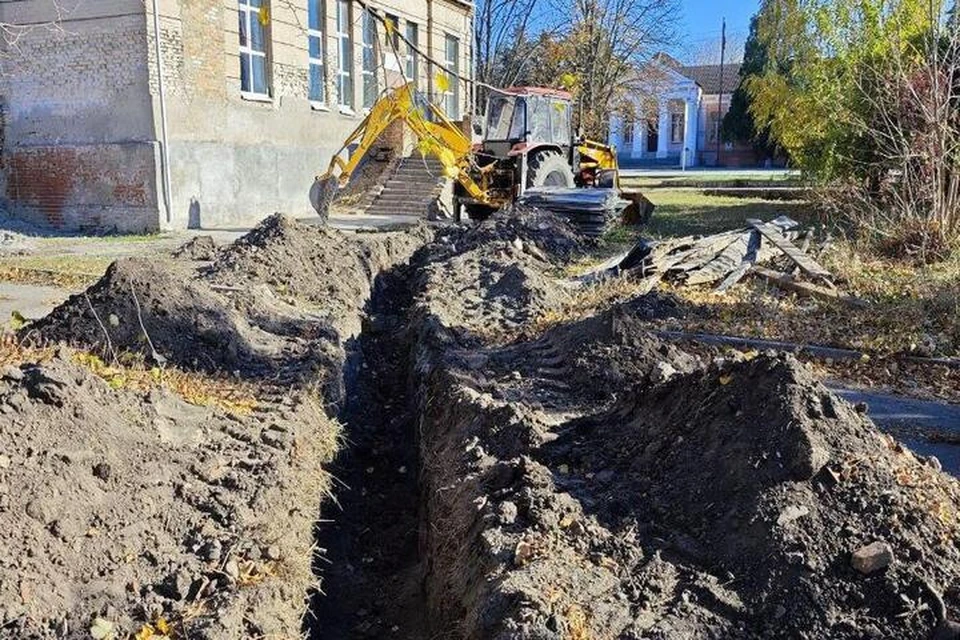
[(723, 259)]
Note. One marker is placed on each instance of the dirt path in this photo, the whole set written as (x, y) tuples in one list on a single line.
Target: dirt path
[(370, 570)]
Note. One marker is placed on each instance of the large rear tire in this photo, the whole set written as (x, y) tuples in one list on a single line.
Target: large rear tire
[(549, 169), (478, 212)]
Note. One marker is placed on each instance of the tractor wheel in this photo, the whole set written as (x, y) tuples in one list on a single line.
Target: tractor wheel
[(549, 169), (607, 179), (478, 212)]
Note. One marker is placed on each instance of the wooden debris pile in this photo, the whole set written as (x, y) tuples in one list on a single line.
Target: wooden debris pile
[(723, 259)]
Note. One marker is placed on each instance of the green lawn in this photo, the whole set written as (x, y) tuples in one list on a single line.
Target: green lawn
[(713, 178), (685, 213)]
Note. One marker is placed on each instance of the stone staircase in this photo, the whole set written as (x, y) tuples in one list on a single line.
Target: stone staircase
[(412, 190)]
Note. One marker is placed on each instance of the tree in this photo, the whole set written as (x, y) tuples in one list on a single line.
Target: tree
[(739, 124), (502, 39), (863, 94), (607, 43)]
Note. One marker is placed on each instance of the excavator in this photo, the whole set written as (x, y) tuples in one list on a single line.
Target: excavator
[(529, 147)]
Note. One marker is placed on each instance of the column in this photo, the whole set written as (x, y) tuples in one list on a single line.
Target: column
[(691, 130), (663, 134)]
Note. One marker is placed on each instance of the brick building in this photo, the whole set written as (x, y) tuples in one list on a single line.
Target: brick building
[(244, 104), (675, 115)]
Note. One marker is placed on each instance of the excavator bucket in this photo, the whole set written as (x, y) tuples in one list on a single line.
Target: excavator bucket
[(322, 194)]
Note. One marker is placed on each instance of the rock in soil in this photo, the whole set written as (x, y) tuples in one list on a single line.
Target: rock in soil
[(872, 558)]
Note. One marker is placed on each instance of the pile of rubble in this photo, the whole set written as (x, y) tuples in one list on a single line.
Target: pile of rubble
[(724, 259)]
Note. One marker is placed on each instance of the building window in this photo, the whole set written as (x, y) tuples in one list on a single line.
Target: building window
[(369, 66), (315, 32), (412, 70), (451, 97), (676, 128), (254, 17), (713, 126), (344, 56), (629, 123), (393, 39)]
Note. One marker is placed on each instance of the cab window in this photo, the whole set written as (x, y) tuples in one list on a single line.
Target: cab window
[(539, 115), (560, 121)]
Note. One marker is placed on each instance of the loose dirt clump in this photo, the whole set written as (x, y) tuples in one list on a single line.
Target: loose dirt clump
[(200, 248), (493, 279), (121, 508)]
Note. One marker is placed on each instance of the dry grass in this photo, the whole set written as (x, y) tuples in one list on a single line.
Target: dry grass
[(911, 310), (686, 213), (202, 390), (131, 373), (62, 271)]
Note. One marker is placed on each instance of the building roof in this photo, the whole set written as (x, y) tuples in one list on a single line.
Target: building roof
[(708, 77)]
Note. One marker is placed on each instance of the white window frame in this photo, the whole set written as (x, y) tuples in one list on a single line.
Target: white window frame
[(315, 61), (678, 127), (393, 41), (249, 13), (368, 44), (452, 94), (629, 126), (412, 63), (345, 99)]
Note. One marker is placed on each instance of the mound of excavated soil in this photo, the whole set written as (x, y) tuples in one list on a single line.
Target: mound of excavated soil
[(724, 502), (490, 280), (275, 306), (117, 507), (124, 507), (763, 476), (331, 271), (200, 248), (161, 311), (595, 482)]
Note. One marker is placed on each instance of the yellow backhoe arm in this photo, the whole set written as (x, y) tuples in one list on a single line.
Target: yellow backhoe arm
[(440, 139)]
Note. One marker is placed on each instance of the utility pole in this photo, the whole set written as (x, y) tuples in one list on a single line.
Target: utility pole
[(723, 52)]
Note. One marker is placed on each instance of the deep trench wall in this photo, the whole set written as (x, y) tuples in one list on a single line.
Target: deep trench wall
[(78, 146)]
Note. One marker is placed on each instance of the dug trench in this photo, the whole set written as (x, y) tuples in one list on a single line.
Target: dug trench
[(504, 472), (368, 538), (590, 481)]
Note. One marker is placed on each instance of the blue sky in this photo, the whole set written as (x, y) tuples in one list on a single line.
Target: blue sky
[(702, 19)]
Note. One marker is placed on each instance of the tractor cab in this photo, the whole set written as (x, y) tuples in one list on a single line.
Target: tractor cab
[(528, 142), (522, 119)]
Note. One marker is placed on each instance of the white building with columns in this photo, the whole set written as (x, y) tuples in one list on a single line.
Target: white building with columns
[(673, 117)]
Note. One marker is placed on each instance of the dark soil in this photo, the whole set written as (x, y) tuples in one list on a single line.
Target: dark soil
[(141, 505), (200, 248), (594, 482), (588, 481), (369, 560), (125, 507)]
